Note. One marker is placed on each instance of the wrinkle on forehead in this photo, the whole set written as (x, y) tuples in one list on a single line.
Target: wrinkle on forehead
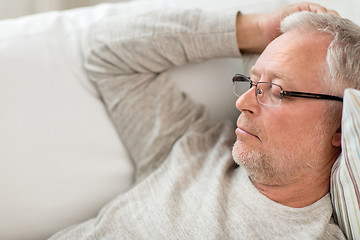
[(294, 57)]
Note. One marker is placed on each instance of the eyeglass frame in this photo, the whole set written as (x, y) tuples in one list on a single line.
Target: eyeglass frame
[(243, 78)]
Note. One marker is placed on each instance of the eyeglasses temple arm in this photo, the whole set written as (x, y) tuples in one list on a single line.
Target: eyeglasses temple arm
[(311, 95)]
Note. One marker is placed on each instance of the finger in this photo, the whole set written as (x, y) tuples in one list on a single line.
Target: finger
[(316, 8), (334, 12), (311, 7)]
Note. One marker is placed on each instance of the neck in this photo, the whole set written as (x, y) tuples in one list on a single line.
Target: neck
[(302, 190), (297, 195)]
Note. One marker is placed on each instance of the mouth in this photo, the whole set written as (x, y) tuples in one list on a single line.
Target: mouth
[(242, 131)]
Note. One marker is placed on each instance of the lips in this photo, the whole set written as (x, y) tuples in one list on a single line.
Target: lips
[(248, 132)]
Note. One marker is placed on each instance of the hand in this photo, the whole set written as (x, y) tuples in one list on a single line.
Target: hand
[(256, 31)]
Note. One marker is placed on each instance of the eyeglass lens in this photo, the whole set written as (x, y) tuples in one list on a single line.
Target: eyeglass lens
[(266, 93)]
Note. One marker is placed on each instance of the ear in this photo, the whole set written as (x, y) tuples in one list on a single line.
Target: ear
[(336, 138)]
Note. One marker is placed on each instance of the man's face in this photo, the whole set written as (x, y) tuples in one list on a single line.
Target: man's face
[(283, 144)]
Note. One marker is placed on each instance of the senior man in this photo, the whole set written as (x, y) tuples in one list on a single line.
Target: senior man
[(187, 185)]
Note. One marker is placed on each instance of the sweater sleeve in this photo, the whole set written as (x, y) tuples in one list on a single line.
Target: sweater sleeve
[(127, 57)]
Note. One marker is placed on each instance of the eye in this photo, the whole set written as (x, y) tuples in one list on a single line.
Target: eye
[(259, 91), (275, 90)]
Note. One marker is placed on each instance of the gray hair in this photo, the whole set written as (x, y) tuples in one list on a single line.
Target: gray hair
[(343, 54)]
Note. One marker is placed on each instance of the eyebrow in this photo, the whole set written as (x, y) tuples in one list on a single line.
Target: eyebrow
[(273, 74), (253, 71)]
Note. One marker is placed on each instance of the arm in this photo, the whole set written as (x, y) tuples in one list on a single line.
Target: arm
[(127, 57)]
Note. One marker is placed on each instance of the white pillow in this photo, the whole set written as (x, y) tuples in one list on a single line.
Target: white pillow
[(346, 170)]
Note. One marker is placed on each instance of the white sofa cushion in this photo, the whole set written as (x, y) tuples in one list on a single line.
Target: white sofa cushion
[(61, 159)]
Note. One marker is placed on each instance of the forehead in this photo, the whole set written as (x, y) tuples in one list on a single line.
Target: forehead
[(296, 57)]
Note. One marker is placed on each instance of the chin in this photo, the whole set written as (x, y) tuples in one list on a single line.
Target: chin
[(243, 155), (260, 167)]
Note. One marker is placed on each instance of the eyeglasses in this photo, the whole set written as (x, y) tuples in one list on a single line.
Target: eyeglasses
[(270, 94)]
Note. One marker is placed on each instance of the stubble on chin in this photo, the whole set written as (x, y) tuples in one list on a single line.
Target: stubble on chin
[(263, 167), (253, 162)]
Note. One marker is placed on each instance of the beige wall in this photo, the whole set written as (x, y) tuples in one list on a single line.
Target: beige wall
[(17, 8)]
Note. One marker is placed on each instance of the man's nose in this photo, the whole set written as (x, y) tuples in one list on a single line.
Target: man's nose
[(247, 102)]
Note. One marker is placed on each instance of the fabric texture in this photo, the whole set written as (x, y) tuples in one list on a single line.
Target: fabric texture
[(345, 173), (58, 145), (187, 185)]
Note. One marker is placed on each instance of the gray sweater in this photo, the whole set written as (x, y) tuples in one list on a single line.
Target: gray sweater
[(186, 184)]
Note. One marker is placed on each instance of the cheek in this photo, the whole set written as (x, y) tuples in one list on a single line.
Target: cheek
[(286, 130)]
